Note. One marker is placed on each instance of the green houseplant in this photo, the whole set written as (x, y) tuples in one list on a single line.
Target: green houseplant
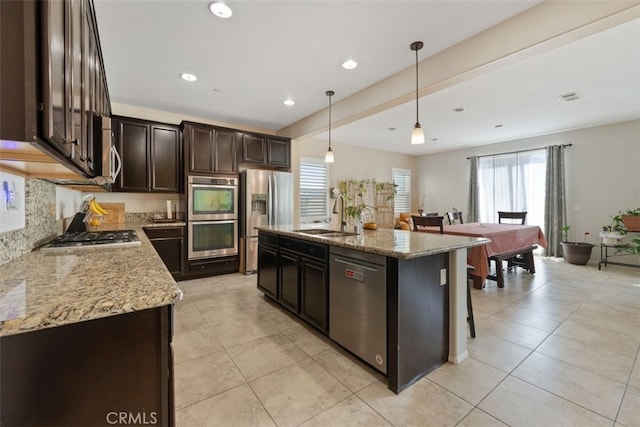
[(577, 253)]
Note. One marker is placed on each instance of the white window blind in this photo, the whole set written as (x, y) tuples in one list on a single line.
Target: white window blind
[(402, 199), (313, 189)]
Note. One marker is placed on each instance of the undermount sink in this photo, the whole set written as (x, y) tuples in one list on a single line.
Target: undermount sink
[(324, 232)]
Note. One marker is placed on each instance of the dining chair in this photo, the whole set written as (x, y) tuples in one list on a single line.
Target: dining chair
[(428, 221), (523, 260), (512, 217), (455, 216)]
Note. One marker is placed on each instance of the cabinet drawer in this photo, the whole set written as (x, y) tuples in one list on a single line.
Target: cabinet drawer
[(162, 232), (304, 247), (267, 239), (215, 265)]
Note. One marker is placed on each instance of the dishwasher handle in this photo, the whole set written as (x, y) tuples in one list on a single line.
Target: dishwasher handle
[(355, 264)]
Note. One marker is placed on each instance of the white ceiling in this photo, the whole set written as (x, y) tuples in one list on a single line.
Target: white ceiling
[(273, 50)]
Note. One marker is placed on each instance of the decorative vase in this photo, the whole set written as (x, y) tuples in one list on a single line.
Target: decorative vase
[(576, 253), (358, 223)]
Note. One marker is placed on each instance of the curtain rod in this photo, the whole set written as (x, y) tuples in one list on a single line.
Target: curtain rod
[(520, 151)]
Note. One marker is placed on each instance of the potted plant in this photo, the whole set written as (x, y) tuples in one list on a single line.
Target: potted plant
[(577, 253), (631, 219), (614, 231)]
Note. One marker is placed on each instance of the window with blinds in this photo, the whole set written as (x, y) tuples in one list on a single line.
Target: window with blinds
[(313, 189), (402, 199)]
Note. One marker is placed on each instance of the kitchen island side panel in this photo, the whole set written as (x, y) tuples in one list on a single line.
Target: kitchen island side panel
[(90, 373), (418, 321)]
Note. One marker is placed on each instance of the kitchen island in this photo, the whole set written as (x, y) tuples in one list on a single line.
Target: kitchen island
[(424, 309), (85, 336)]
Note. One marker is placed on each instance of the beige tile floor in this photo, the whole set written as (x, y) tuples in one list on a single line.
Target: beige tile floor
[(556, 349)]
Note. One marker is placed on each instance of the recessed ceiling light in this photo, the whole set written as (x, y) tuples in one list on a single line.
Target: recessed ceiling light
[(459, 109), (434, 139), (349, 64), (188, 77), (289, 102), (497, 126), (220, 10)]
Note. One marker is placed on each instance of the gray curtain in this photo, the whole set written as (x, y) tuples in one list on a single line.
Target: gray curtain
[(555, 200), (473, 204)]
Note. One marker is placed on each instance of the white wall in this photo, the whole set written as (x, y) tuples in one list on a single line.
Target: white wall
[(603, 173), (350, 163)]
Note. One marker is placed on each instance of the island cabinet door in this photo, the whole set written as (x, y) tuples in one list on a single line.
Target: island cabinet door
[(289, 281), (268, 270), (92, 373), (314, 285)]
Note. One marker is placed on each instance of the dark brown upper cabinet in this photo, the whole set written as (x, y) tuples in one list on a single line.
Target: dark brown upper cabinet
[(254, 149), (210, 150), (73, 81), (266, 150), (279, 152), (151, 156)]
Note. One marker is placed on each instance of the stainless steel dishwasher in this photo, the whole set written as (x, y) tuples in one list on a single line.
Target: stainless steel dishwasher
[(358, 304)]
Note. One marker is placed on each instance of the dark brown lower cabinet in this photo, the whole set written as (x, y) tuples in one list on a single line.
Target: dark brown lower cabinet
[(289, 295), (169, 244), (93, 373), (314, 282), (268, 264)]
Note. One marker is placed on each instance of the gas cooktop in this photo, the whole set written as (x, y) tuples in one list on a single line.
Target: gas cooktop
[(92, 239)]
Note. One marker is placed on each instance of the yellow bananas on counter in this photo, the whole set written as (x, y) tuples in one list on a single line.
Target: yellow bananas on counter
[(96, 208)]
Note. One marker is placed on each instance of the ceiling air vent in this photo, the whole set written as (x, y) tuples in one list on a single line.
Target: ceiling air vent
[(571, 96)]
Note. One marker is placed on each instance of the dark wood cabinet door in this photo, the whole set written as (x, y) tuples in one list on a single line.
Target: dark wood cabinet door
[(132, 138), (55, 44), (171, 252), (314, 287), (165, 155), (76, 129), (199, 141), (225, 152), (289, 281), (279, 152), (88, 83), (268, 270), (254, 149)]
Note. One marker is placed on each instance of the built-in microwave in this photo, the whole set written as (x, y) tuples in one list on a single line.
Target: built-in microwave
[(212, 198), (209, 239)]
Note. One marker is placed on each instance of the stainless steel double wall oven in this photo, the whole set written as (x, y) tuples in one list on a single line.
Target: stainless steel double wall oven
[(212, 216)]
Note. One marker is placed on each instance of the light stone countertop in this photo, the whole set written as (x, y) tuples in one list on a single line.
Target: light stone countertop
[(43, 289), (392, 243)]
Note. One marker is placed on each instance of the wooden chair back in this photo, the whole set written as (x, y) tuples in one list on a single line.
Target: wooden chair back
[(455, 216), (428, 221), (511, 217)]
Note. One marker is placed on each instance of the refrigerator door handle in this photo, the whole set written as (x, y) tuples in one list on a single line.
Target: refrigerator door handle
[(274, 200), (269, 202)]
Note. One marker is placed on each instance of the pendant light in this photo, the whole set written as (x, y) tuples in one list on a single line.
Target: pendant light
[(328, 158), (417, 136)]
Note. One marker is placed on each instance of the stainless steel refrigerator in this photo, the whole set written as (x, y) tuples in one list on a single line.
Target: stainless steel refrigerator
[(266, 198)]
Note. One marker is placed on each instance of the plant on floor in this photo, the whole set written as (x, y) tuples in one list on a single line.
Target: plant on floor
[(575, 252)]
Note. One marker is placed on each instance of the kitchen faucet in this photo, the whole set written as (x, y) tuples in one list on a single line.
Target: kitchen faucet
[(343, 223)]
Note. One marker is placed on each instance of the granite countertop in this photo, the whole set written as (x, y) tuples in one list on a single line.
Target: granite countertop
[(43, 289), (392, 243)]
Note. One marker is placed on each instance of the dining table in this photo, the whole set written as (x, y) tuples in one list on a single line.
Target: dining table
[(507, 240)]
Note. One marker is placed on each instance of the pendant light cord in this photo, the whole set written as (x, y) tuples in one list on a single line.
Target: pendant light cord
[(329, 93), (417, 115)]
